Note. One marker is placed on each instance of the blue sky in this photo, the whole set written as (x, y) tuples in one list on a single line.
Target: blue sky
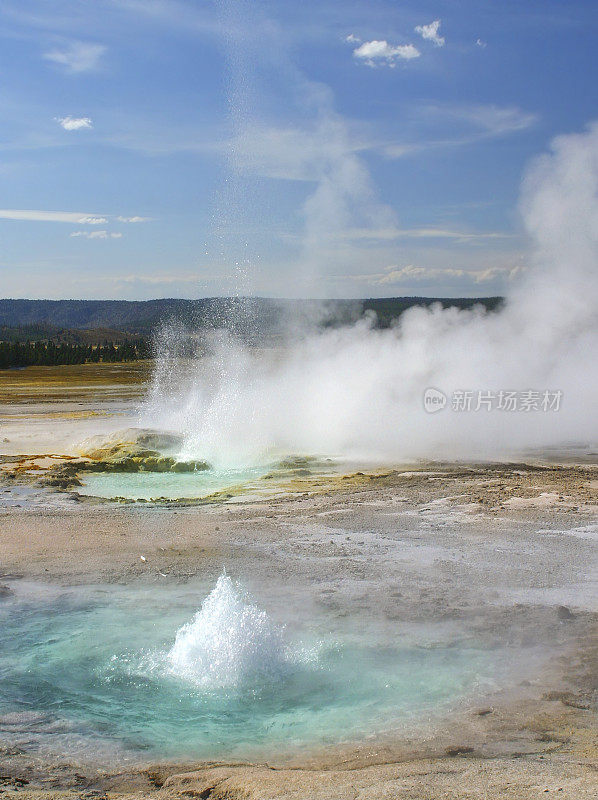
[(178, 148)]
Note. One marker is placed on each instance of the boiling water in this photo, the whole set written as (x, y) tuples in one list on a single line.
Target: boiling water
[(86, 670), (228, 643)]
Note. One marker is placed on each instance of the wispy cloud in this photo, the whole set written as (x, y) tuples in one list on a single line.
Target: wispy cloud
[(93, 220), (74, 123), (52, 216), (476, 124), (392, 233), (77, 217), (77, 57), (96, 235), (410, 273), (494, 120), (381, 53), (190, 277), (295, 153), (430, 33), (300, 153)]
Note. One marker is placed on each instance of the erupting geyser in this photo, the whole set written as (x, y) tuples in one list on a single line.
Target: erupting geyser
[(101, 669), (229, 643), (357, 392)]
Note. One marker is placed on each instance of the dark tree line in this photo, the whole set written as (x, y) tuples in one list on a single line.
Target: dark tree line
[(29, 354)]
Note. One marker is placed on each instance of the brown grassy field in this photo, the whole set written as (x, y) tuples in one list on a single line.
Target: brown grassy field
[(69, 382)]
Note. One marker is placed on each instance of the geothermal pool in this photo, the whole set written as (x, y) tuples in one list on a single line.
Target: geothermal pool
[(201, 671), (172, 486)]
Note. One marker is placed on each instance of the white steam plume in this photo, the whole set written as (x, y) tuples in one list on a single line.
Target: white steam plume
[(357, 391)]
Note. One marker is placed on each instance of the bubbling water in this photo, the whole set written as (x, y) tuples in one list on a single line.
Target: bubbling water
[(229, 643), (104, 676)]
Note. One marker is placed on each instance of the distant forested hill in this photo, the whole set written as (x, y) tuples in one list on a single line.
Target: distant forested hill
[(247, 316)]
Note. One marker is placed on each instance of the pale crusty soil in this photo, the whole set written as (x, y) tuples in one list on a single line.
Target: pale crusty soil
[(495, 548)]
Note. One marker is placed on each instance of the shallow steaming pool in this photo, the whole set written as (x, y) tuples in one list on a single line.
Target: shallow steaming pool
[(151, 485), (147, 673)]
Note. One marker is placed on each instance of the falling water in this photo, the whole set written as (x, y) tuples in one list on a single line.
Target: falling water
[(228, 643)]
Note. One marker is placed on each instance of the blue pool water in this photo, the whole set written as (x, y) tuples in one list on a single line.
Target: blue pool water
[(158, 673), (151, 485)]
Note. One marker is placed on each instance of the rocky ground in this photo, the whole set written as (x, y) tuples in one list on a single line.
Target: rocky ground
[(506, 552)]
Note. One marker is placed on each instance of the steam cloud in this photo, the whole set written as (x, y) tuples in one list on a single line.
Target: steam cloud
[(357, 392)]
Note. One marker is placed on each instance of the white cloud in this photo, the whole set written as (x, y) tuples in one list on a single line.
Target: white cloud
[(190, 277), (430, 33), (402, 149), (391, 234), (352, 39), (376, 53), (495, 120), (480, 43), (77, 56), (482, 123), (96, 235), (74, 217), (395, 274), (51, 216), (74, 123), (92, 221)]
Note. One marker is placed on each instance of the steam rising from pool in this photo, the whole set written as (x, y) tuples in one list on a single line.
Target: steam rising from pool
[(86, 671), (229, 643), (357, 391)]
